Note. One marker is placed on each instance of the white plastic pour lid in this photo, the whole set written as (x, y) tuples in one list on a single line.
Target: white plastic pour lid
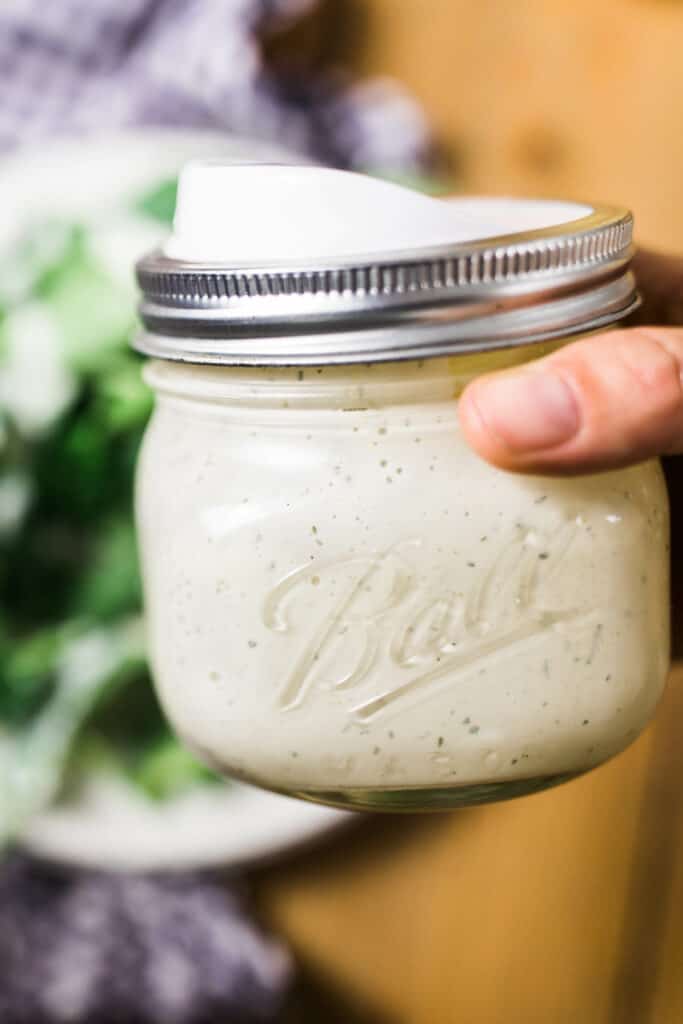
[(275, 213), (273, 264)]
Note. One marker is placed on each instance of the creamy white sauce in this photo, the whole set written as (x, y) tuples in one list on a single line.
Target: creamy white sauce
[(341, 596)]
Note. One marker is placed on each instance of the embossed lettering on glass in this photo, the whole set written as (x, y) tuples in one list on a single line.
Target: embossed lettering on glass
[(344, 603)]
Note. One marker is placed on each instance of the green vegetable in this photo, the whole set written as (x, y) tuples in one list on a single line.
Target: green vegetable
[(110, 584), (36, 759), (75, 690), (159, 203), (167, 769), (27, 674), (93, 315)]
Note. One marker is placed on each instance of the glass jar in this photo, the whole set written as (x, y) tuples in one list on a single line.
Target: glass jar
[(347, 605)]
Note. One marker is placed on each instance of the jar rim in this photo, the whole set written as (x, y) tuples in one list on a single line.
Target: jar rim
[(490, 293)]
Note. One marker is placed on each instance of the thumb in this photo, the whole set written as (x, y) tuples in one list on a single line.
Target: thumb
[(602, 402)]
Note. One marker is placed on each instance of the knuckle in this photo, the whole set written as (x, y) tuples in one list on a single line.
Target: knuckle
[(655, 368), (634, 368), (631, 390)]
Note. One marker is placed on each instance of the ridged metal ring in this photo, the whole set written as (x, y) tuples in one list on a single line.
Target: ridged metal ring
[(498, 291)]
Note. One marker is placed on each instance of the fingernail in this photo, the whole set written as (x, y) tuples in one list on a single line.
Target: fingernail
[(527, 411)]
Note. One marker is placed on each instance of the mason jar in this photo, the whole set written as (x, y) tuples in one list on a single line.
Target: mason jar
[(344, 602)]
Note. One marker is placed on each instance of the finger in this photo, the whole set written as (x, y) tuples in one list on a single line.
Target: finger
[(606, 401)]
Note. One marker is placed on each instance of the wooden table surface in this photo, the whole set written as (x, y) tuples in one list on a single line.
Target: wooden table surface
[(561, 908)]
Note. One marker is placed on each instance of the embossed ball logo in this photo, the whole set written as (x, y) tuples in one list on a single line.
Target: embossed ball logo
[(369, 621)]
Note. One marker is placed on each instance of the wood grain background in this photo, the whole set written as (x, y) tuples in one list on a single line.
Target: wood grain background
[(580, 98)]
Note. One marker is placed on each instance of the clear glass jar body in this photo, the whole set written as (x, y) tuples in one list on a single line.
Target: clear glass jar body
[(346, 604)]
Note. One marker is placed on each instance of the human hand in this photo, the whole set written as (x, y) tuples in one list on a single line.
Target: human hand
[(608, 400)]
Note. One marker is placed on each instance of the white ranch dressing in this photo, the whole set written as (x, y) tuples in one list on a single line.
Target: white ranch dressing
[(350, 600)]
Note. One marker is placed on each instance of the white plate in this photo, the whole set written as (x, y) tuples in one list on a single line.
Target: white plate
[(114, 827), (111, 825)]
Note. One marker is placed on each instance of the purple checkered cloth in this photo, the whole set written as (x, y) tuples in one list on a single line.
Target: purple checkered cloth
[(87, 947), (88, 65)]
